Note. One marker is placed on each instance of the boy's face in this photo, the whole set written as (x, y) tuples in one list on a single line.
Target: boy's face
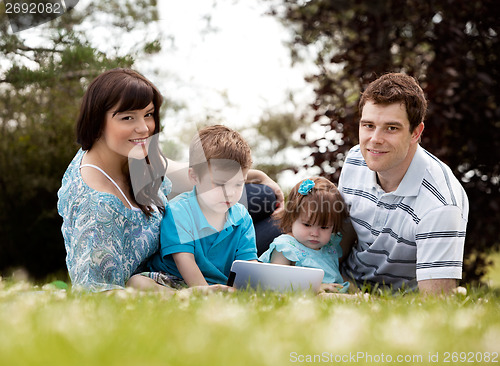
[(219, 189)]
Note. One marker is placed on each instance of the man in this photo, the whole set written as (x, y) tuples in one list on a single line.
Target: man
[(408, 210)]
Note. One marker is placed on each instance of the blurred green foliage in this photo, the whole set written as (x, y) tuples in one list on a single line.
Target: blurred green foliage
[(41, 85)]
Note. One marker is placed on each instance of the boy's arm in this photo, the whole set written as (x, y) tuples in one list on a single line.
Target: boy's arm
[(246, 248), (189, 270)]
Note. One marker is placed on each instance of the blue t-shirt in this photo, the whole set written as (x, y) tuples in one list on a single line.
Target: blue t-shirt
[(184, 229)]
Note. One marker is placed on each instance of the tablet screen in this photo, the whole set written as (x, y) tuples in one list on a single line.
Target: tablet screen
[(277, 277)]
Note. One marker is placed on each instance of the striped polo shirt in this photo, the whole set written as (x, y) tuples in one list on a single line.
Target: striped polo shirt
[(415, 233)]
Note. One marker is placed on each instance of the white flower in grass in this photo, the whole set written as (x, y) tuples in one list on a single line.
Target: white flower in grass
[(303, 310), (490, 339), (467, 318), (347, 327), (220, 310), (404, 331)]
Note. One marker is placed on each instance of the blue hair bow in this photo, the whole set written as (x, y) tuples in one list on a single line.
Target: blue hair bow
[(305, 187)]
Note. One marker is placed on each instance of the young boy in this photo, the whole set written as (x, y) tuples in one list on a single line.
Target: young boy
[(205, 230)]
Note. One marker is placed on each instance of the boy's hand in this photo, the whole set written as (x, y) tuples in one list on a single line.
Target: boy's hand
[(210, 289), (330, 287)]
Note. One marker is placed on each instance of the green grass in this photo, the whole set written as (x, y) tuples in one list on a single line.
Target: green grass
[(47, 326)]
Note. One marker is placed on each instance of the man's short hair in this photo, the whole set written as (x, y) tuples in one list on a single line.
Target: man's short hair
[(397, 88)]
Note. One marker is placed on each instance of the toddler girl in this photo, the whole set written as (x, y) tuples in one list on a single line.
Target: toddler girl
[(312, 218)]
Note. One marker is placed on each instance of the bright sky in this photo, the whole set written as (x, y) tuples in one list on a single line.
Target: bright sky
[(236, 71), (235, 67)]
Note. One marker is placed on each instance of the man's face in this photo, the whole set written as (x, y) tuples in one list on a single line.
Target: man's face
[(385, 139)]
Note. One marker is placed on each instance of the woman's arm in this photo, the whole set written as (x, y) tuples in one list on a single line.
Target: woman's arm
[(178, 175), (189, 270)]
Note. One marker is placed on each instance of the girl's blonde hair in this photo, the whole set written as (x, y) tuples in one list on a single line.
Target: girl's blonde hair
[(323, 205)]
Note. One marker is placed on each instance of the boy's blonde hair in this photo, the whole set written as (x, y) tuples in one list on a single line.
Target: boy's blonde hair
[(218, 142), (323, 205)]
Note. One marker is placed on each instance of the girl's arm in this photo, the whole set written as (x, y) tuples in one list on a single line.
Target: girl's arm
[(189, 270), (279, 258)]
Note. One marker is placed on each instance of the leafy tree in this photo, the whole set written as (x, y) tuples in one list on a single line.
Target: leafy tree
[(276, 134), (41, 85), (452, 48)]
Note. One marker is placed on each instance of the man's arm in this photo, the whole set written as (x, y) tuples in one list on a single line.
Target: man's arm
[(437, 287), (349, 237)]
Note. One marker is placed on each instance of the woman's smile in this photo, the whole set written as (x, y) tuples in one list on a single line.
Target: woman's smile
[(140, 141)]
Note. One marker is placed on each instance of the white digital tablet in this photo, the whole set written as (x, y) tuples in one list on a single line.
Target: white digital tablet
[(274, 277)]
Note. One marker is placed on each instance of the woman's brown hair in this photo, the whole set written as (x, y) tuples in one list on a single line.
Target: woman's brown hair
[(125, 90)]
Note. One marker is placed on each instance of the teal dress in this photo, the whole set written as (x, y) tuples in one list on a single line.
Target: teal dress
[(327, 258), (106, 242)]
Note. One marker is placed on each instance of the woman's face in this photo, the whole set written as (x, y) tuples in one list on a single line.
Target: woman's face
[(126, 133)]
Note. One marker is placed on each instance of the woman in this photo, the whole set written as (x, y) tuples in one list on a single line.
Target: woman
[(113, 193)]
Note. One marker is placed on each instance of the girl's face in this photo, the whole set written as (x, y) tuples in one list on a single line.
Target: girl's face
[(311, 235), (126, 133)]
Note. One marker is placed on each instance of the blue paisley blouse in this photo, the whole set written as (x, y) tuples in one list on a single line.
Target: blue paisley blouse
[(106, 242)]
